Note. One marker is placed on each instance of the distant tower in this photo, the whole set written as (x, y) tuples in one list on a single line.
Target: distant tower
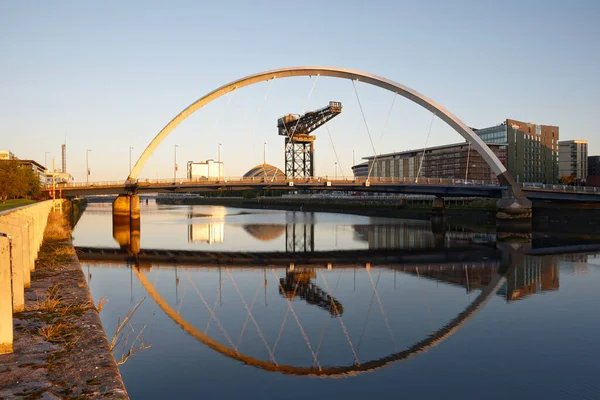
[(64, 157)]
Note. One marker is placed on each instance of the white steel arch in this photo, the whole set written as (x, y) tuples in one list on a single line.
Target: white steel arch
[(490, 158)]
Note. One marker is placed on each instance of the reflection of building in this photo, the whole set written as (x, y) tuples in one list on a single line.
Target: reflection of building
[(535, 275), (208, 232), (208, 169), (532, 150), (265, 232), (299, 232), (453, 161), (404, 235), (298, 283), (573, 159)]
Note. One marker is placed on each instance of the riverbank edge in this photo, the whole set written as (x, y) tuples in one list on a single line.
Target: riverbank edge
[(484, 215), (60, 348)]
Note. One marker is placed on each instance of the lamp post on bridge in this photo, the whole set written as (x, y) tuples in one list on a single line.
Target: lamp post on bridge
[(265, 153), (219, 161), (130, 148), (87, 169), (175, 163), (335, 163)]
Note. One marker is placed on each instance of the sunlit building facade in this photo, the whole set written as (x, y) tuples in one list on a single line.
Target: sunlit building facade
[(531, 149), (573, 159), (453, 161)]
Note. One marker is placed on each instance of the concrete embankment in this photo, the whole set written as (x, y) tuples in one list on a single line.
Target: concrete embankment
[(59, 349)]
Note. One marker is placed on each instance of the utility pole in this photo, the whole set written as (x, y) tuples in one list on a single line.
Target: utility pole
[(87, 169), (130, 148), (175, 164)]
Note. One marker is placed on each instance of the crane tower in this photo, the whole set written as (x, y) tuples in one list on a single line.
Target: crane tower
[(299, 143)]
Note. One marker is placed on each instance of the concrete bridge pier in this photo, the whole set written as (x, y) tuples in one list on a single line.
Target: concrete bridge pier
[(513, 219), (126, 222)]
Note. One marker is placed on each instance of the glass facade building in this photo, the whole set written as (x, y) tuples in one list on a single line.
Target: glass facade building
[(532, 150)]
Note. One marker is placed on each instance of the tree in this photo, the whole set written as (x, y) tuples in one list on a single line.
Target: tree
[(567, 179), (10, 178), (16, 181)]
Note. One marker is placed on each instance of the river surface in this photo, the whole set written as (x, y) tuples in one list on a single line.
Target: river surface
[(455, 316)]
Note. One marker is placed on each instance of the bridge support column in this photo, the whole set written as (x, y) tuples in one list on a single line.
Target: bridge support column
[(126, 222), (513, 219)]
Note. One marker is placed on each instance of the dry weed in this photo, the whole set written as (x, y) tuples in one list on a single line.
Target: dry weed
[(126, 330), (57, 332)]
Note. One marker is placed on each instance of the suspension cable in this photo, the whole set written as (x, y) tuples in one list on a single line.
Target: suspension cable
[(366, 126), (251, 316), (340, 318), (210, 311), (302, 332), (332, 144), (425, 148), (383, 314), (368, 315), (335, 310), (229, 99), (382, 133), (287, 311), (247, 318)]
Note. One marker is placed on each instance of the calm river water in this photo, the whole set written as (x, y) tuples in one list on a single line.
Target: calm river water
[(454, 316)]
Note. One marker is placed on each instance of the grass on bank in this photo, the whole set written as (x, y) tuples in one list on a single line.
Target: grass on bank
[(15, 203)]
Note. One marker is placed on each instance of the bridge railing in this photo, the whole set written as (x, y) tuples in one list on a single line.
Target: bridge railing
[(560, 187), (236, 180)]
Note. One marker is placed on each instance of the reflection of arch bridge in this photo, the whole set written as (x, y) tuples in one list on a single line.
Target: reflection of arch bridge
[(335, 371)]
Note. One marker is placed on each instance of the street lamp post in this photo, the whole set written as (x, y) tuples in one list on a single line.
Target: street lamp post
[(175, 163), (46, 159), (265, 153), (87, 169), (335, 170), (219, 161), (130, 148)]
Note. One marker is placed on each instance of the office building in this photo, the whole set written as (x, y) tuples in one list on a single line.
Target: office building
[(453, 161), (208, 169), (7, 155), (573, 159), (593, 178), (532, 150), (37, 168)]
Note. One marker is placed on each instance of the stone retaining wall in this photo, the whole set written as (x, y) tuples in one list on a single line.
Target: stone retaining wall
[(21, 236)]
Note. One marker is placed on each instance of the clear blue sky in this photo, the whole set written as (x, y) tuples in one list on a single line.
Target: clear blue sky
[(111, 74)]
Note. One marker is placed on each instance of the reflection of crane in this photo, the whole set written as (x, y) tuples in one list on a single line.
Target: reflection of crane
[(299, 144), (298, 283)]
